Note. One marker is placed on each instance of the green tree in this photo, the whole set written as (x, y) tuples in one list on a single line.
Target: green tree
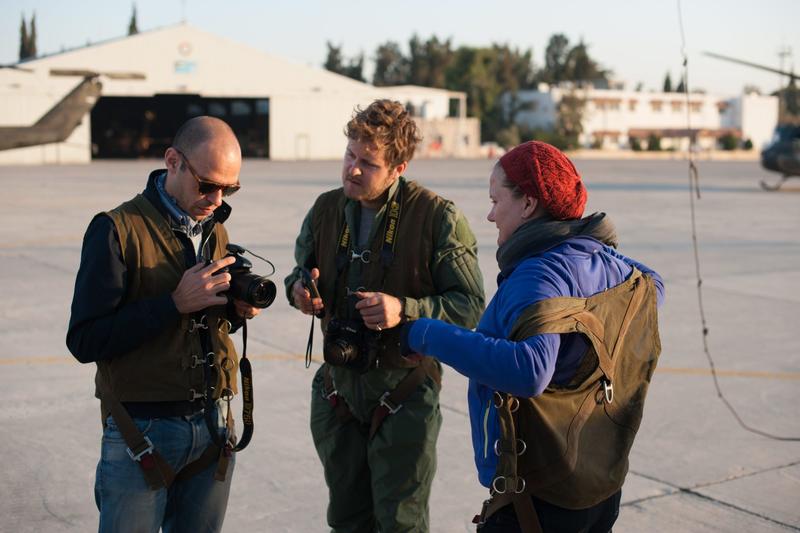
[(580, 67), (653, 143), (23, 40), (681, 88), (355, 68), (428, 61), (667, 83), (569, 123), (555, 59), (336, 62), (133, 27), (32, 52), (391, 66), (486, 74), (728, 142)]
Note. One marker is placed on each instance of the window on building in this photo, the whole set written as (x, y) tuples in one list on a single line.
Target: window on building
[(632, 105), (677, 106), (217, 109), (655, 105), (695, 107), (240, 108)]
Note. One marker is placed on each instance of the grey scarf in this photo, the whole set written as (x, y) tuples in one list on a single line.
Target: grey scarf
[(539, 235)]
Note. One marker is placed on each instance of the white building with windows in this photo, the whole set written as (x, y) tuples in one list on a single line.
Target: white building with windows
[(612, 118)]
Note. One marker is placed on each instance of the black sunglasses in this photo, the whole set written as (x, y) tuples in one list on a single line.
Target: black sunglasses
[(207, 186)]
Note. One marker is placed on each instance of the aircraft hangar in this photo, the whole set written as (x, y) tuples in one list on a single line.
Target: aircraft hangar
[(154, 81)]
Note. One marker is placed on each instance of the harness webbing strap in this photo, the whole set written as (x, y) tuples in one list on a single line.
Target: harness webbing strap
[(526, 514), (157, 472), (343, 413), (393, 401)]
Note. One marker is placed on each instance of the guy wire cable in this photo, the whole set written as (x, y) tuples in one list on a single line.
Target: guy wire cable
[(694, 188)]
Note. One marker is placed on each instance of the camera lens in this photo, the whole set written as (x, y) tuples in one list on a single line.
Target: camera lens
[(256, 290), (339, 352), (261, 292)]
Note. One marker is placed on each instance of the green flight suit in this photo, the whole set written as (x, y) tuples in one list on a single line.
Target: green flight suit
[(383, 483)]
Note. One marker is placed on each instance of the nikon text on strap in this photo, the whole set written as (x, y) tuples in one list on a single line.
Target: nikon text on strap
[(226, 394)]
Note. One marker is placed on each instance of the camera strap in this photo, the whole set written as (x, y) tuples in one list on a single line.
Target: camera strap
[(344, 254), (229, 445)]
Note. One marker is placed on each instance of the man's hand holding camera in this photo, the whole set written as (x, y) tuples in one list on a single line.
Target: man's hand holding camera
[(379, 310), (302, 296), (200, 287)]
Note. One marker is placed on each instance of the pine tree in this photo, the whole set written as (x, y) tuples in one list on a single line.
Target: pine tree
[(667, 83), (681, 88), (32, 38), (23, 40), (133, 28)]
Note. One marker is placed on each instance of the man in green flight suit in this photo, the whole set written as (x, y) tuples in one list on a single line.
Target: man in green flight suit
[(381, 250)]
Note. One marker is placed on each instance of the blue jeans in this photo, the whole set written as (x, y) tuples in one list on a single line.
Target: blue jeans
[(126, 503)]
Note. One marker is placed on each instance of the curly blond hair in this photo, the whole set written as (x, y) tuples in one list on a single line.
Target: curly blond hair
[(387, 124)]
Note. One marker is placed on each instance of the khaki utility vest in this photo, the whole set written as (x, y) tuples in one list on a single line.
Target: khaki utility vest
[(569, 446), (168, 367), (408, 274)]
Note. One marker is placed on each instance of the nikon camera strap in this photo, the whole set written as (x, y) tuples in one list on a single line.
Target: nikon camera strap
[(390, 228), (226, 394)]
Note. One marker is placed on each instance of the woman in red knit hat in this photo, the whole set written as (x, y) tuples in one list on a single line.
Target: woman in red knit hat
[(529, 348)]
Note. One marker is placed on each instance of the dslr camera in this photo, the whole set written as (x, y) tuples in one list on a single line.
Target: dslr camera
[(348, 343), (256, 290)]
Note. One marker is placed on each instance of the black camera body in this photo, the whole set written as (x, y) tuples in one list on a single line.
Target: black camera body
[(349, 344), (253, 289)]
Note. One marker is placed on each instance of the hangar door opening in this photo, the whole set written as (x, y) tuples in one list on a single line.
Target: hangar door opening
[(131, 127)]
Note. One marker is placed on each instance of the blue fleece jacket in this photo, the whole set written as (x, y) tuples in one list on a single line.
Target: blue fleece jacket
[(579, 267)]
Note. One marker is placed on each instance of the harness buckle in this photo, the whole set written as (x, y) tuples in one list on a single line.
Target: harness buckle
[(197, 361), (364, 256), (194, 395), (480, 519), (195, 324), (330, 395), (608, 390), (351, 292), (137, 456), (389, 405)]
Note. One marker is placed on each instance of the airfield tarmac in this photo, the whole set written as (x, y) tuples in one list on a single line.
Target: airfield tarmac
[(693, 468)]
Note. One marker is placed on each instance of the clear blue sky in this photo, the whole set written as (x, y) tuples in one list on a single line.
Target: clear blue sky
[(638, 39)]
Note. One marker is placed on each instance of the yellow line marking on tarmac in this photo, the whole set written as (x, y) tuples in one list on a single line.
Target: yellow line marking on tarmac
[(786, 376)]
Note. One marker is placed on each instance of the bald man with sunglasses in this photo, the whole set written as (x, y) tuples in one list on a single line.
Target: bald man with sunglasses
[(149, 309)]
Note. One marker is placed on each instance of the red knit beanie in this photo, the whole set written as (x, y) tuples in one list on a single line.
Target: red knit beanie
[(544, 172)]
